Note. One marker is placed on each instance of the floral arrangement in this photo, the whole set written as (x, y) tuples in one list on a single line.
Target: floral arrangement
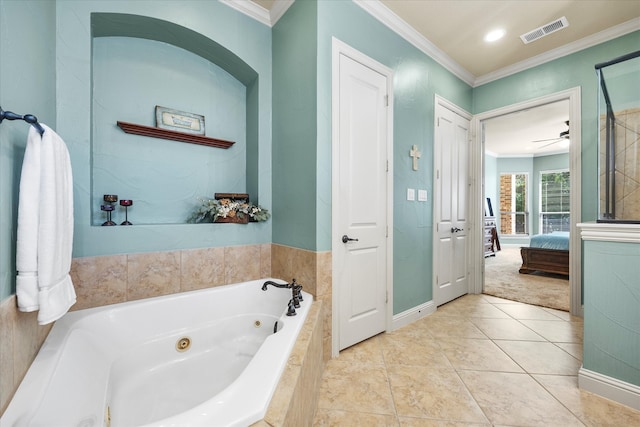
[(228, 210)]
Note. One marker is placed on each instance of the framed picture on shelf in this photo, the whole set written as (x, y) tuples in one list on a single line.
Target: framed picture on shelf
[(179, 121)]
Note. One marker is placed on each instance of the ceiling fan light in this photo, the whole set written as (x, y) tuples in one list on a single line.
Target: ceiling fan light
[(494, 35)]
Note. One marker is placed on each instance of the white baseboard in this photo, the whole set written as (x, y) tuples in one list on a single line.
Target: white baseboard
[(413, 314), (610, 388)]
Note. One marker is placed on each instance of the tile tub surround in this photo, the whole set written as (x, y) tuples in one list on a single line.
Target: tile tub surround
[(113, 279), (313, 271), (20, 339)]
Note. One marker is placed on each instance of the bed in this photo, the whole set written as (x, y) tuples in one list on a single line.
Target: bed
[(548, 253)]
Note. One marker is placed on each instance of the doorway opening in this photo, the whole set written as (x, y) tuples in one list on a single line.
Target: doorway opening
[(529, 213)]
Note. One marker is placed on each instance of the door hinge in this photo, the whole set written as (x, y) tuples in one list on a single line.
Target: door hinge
[(387, 165), (437, 173), (387, 231), (386, 100), (386, 297)]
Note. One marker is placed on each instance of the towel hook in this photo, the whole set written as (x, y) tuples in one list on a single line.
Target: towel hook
[(29, 118)]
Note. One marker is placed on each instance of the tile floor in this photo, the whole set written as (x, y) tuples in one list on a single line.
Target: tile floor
[(477, 361)]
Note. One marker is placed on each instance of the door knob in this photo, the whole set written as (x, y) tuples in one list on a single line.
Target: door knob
[(346, 239), (455, 229)]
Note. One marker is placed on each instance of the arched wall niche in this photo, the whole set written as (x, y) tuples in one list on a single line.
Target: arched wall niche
[(119, 25)]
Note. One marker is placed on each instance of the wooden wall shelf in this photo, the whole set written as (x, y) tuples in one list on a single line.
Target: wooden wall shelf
[(135, 129)]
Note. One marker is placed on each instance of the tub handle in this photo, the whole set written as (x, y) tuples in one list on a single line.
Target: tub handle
[(291, 311)]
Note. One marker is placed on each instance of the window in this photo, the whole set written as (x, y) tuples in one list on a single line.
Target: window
[(514, 212), (554, 201)]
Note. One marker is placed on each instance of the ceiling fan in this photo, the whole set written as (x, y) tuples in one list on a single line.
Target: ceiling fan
[(564, 135)]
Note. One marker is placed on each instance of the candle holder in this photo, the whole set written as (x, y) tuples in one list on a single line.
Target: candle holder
[(126, 203), (108, 209)]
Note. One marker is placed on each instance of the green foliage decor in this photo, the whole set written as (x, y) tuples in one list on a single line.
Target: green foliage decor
[(212, 210)]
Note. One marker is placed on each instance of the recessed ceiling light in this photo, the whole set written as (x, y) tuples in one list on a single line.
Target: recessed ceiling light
[(494, 35)]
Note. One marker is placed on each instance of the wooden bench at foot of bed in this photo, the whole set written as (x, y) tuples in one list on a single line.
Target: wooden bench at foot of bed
[(547, 260)]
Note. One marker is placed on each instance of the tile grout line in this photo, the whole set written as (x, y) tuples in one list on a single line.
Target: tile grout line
[(386, 373), (532, 375)]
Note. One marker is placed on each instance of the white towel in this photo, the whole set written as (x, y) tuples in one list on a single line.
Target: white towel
[(45, 228)]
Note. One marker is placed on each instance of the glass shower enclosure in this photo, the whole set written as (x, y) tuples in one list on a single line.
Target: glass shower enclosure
[(619, 139)]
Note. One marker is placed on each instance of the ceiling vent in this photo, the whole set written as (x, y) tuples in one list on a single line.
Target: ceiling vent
[(545, 30)]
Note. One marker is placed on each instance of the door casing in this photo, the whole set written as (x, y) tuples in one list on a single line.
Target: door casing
[(476, 283)]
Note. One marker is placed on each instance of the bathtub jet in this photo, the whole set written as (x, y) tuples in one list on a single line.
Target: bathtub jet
[(296, 294)]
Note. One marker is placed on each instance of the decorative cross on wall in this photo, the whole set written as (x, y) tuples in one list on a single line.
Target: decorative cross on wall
[(416, 155)]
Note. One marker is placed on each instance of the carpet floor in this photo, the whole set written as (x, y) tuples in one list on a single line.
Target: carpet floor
[(501, 279)]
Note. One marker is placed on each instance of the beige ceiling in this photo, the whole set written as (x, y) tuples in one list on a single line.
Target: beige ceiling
[(458, 27)]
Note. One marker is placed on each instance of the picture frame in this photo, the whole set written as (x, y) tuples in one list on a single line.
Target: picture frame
[(180, 121)]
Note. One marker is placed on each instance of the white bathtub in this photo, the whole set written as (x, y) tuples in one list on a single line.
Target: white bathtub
[(119, 365)]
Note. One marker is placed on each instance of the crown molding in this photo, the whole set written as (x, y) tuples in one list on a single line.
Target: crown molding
[(584, 43), (259, 13), (250, 9), (388, 18), (278, 9), (404, 30)]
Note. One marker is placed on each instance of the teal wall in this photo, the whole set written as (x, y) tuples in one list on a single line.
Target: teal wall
[(46, 51), (417, 79), (564, 73), (164, 178), (611, 315), (27, 86), (295, 167), (302, 49), (241, 46), (623, 85)]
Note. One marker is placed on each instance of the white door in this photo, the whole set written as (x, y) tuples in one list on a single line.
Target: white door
[(451, 158), (360, 212)]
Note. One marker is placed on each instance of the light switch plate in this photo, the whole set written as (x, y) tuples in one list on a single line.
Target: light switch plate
[(411, 194), (422, 195)]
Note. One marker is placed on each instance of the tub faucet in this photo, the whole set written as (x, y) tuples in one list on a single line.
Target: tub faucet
[(296, 294), (297, 290), (277, 285)]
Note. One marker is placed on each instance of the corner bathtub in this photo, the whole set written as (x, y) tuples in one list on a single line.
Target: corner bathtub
[(203, 358)]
